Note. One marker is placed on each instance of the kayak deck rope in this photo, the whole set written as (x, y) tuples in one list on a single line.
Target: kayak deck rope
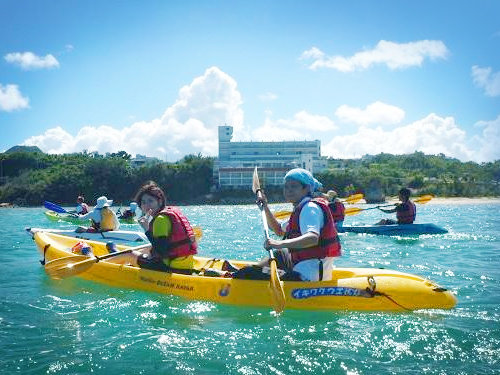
[(370, 289)]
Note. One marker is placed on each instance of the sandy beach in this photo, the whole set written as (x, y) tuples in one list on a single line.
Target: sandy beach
[(457, 200)]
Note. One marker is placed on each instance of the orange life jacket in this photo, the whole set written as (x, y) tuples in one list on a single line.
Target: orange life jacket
[(328, 244), (406, 212), (338, 210), (181, 242)]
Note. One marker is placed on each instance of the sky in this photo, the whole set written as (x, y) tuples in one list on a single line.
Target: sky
[(157, 78)]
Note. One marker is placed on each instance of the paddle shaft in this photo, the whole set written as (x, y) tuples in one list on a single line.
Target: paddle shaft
[(356, 210), (264, 224), (275, 285), (351, 199)]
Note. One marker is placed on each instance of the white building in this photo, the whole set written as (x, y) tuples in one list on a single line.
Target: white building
[(140, 160), (237, 160)]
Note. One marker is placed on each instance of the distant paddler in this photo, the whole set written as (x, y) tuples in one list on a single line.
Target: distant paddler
[(102, 217), (406, 211), (336, 207)]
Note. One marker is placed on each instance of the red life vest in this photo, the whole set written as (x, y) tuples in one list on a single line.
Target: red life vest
[(406, 212), (181, 242), (85, 208), (338, 210), (328, 243)]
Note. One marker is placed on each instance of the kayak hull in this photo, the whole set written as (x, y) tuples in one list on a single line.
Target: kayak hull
[(351, 288), (55, 216), (396, 229), (117, 236)]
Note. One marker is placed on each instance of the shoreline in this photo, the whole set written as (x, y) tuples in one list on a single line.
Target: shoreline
[(436, 200), (456, 200)]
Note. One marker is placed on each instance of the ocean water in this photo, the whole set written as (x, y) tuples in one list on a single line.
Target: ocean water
[(79, 327)]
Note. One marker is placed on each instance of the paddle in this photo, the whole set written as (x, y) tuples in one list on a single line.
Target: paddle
[(277, 292), (356, 210), (351, 199), (75, 264), (54, 207), (354, 198)]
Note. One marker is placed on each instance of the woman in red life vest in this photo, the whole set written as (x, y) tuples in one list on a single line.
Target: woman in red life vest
[(406, 211), (173, 242), (310, 241)]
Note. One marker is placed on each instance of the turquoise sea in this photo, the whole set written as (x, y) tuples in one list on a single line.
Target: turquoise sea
[(79, 327)]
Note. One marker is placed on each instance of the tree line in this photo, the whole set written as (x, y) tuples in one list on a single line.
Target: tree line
[(29, 178)]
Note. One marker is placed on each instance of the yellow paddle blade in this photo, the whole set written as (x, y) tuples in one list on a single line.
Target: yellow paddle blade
[(198, 233), (423, 199), (349, 211), (282, 215), (353, 198), (255, 181), (276, 286), (68, 266)]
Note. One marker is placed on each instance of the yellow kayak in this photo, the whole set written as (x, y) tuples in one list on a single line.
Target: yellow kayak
[(369, 289)]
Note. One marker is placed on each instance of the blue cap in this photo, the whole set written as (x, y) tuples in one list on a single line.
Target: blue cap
[(304, 177)]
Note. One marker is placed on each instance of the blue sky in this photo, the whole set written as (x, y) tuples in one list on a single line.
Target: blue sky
[(158, 77)]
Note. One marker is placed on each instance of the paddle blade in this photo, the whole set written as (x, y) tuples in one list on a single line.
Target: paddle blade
[(54, 207), (198, 233), (255, 181), (282, 215), (353, 198), (276, 286), (68, 266), (349, 211), (423, 199)]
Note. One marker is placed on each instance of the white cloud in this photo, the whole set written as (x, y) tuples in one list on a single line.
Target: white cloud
[(268, 97), (11, 99), (489, 141), (375, 113), (485, 79), (431, 135), (30, 61), (189, 126), (393, 55), (55, 140), (303, 126)]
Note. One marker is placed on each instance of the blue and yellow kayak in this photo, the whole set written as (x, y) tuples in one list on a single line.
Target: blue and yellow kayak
[(369, 289), (395, 229)]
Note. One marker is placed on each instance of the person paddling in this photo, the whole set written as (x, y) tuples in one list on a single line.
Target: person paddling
[(129, 212), (337, 208), (406, 211), (81, 207), (103, 218), (310, 241)]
